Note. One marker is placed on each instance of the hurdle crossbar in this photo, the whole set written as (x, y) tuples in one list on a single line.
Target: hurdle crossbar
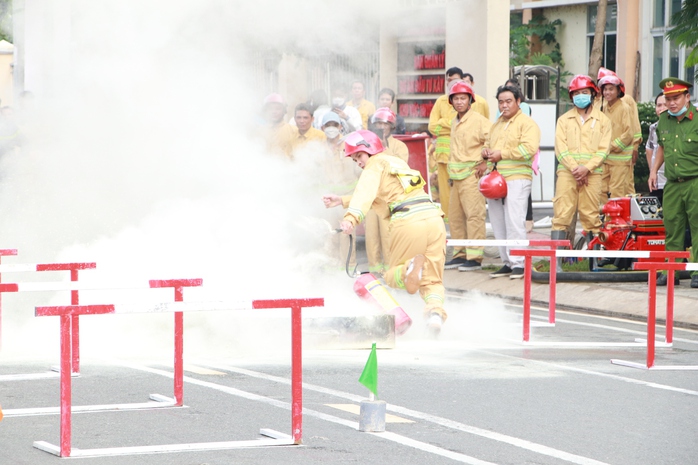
[(552, 244), (74, 268), (178, 307), (530, 253), (653, 268)]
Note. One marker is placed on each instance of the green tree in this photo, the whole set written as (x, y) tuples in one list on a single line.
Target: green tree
[(521, 38), (685, 31), (6, 20)]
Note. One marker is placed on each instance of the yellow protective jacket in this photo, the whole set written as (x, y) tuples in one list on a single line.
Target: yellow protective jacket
[(366, 109), (440, 119), (635, 117), (397, 148), (621, 152), (299, 140), (582, 143), (468, 135), (518, 138), (481, 106), (386, 181)]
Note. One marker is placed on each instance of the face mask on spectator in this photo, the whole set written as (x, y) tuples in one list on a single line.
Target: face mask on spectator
[(678, 113), (331, 132), (582, 100), (338, 102)]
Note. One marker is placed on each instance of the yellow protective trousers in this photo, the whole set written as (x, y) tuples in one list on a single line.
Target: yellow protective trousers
[(466, 217), (570, 199), (424, 233), (616, 179), (444, 187), (377, 241)]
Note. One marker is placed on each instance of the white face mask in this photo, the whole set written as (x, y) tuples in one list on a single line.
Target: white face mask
[(331, 132), (337, 102)]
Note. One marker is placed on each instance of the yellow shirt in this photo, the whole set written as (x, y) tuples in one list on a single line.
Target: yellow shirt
[(366, 109), (280, 139), (397, 148), (299, 140), (621, 152), (481, 106), (440, 118), (582, 143), (518, 138), (467, 138), (380, 185)]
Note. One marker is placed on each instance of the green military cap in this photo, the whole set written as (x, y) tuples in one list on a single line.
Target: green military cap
[(673, 85)]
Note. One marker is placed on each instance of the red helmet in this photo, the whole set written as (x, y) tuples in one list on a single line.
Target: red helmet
[(274, 98), (603, 72), (384, 115), (362, 141), (580, 81), (614, 80), (461, 87), (493, 186)]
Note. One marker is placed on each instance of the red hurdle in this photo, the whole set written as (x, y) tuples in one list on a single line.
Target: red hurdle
[(4, 253)]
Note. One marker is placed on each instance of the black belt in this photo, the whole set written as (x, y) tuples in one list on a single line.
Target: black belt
[(403, 207), (686, 179)]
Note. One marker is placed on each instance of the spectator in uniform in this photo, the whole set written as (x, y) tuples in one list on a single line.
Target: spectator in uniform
[(417, 231), (386, 98), (582, 141), (652, 147), (305, 132), (440, 118), (480, 104), (618, 167), (468, 212), (358, 101), (513, 141), (377, 221), (677, 134), (275, 130)]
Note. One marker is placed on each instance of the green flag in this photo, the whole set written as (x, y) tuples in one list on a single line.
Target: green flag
[(369, 377)]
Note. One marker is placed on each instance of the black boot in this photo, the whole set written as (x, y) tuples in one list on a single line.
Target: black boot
[(663, 278), (559, 236)]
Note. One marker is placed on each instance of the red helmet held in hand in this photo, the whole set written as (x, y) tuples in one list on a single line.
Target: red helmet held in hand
[(362, 141), (493, 185)]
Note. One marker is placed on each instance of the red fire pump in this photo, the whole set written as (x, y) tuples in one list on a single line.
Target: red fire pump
[(630, 223)]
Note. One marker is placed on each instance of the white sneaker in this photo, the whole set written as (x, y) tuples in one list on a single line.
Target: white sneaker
[(414, 273), (434, 324)]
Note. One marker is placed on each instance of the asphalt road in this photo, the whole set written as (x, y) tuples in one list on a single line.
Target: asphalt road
[(475, 396)]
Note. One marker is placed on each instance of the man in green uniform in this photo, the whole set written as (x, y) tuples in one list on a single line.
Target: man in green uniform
[(677, 134)]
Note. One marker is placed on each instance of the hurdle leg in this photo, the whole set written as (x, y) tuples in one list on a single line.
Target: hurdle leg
[(178, 362), (669, 328), (651, 314), (296, 374), (527, 298), (75, 330), (66, 395), (552, 281)]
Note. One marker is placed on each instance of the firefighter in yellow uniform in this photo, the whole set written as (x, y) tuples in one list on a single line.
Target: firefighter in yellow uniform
[(480, 104), (467, 205), (635, 120), (366, 108), (582, 142), (618, 167), (417, 231), (277, 133), (304, 132), (377, 220)]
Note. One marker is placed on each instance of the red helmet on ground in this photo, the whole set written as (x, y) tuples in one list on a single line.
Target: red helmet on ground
[(362, 141), (384, 115), (461, 87), (274, 98), (580, 81), (493, 185), (615, 80)]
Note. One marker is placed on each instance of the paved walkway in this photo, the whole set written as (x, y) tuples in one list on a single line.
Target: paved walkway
[(625, 300)]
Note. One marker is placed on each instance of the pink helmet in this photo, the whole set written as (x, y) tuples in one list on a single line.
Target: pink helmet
[(603, 72), (614, 80), (362, 141), (493, 185), (384, 115), (461, 87), (580, 81), (274, 98)]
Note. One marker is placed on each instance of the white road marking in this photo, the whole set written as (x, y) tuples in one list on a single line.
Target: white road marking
[(517, 442), (351, 424)]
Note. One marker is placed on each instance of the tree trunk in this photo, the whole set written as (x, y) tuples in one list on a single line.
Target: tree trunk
[(597, 47)]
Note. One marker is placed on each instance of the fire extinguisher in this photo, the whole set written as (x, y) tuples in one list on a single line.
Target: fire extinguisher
[(370, 289)]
